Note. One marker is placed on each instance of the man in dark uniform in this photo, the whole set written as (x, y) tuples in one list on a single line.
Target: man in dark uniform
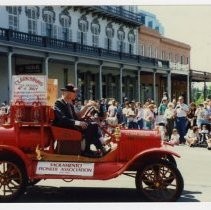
[(66, 117)]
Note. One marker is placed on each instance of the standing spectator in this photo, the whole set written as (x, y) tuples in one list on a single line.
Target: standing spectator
[(161, 109), (169, 115), (112, 114), (200, 114), (181, 118), (132, 123), (102, 109), (125, 111), (191, 115), (149, 117), (140, 115), (119, 113)]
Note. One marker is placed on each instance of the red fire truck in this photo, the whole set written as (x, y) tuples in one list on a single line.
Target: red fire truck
[(28, 154)]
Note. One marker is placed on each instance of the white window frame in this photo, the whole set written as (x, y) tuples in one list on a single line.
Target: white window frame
[(79, 33), (150, 51), (95, 40), (13, 18), (109, 32), (119, 45), (32, 20), (49, 25), (108, 47), (141, 49), (156, 52)]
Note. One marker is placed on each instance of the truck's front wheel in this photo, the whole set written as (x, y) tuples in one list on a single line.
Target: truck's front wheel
[(12, 179), (159, 181)]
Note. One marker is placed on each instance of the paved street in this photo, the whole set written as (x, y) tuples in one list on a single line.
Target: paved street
[(195, 166)]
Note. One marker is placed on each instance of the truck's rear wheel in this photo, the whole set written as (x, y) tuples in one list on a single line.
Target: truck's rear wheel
[(159, 181), (12, 179)]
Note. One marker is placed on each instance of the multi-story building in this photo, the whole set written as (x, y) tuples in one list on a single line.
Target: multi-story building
[(153, 45), (95, 47)]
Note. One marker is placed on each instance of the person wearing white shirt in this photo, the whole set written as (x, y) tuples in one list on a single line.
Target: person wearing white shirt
[(181, 111)]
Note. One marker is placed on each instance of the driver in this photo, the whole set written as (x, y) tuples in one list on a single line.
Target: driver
[(66, 117)]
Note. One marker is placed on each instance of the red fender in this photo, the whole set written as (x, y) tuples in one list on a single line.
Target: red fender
[(122, 167), (144, 154), (14, 150)]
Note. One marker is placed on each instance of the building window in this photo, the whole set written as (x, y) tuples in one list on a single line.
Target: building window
[(141, 50), (33, 14), (150, 51), (95, 29), (65, 33), (48, 29), (131, 40), (156, 52), (110, 35), (163, 55), (150, 24), (176, 58), (95, 41), (170, 56), (14, 13), (131, 9), (120, 42), (182, 59), (83, 26), (187, 60)]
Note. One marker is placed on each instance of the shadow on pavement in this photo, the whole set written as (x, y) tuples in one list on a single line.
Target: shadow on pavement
[(49, 194), (188, 196)]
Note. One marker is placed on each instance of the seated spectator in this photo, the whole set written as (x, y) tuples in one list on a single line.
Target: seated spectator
[(174, 140), (192, 137), (209, 142), (204, 134)]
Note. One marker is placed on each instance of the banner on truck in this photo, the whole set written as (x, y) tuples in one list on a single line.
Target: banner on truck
[(29, 88)]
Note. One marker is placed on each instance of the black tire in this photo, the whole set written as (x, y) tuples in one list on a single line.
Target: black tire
[(159, 181), (33, 182), (13, 179), (170, 159)]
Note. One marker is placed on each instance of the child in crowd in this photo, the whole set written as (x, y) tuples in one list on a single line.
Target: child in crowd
[(209, 142), (162, 129), (204, 134), (174, 140), (192, 137)]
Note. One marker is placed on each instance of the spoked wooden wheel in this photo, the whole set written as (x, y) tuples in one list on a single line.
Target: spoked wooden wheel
[(12, 180), (159, 181)]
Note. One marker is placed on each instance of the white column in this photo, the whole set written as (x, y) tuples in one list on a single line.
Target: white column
[(169, 84), (100, 82), (46, 66), (10, 76), (120, 83), (188, 89), (154, 86), (76, 73), (139, 83)]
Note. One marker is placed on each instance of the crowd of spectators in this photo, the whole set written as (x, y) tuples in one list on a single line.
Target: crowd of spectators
[(178, 122)]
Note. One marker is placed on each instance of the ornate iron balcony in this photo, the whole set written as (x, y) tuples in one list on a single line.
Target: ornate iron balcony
[(10, 36)]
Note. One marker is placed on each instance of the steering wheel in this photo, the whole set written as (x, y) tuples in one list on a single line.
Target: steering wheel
[(87, 117), (87, 113)]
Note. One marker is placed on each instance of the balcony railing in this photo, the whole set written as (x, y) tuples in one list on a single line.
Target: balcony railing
[(26, 39), (120, 13)]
